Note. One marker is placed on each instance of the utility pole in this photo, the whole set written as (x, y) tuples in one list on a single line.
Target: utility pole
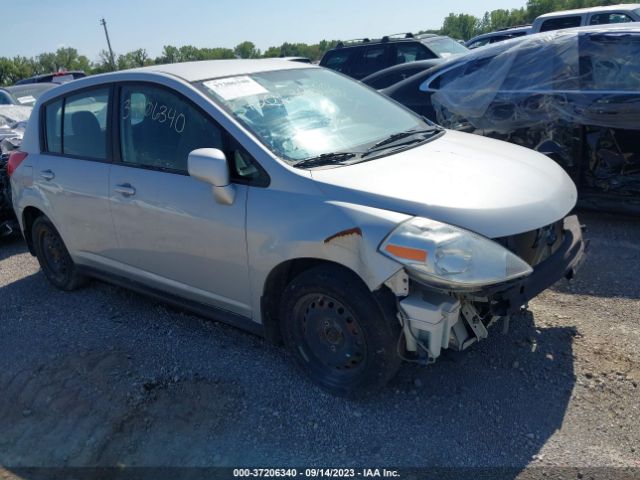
[(103, 22)]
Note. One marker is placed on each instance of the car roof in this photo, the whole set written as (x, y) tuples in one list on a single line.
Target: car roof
[(203, 70), (577, 11), (358, 43)]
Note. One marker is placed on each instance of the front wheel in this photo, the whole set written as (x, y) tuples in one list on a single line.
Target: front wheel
[(338, 332)]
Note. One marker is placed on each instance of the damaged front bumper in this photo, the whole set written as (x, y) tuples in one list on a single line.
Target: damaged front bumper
[(563, 263), (433, 320)]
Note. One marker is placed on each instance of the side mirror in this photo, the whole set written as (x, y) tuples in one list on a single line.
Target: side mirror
[(210, 165)]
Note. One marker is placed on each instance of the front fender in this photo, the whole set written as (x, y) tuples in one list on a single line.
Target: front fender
[(283, 226)]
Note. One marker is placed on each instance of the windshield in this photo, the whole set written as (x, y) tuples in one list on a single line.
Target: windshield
[(28, 94), (305, 113), (445, 47)]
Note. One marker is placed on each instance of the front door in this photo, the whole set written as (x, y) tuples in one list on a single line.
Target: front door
[(171, 233)]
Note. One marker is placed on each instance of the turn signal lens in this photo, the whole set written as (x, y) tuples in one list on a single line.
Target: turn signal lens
[(406, 252)]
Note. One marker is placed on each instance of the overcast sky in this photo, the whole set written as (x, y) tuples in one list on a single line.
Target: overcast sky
[(35, 26)]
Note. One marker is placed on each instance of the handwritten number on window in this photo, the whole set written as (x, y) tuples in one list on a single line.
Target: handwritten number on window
[(158, 113)]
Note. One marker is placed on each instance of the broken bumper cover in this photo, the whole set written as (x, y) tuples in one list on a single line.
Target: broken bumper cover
[(564, 263)]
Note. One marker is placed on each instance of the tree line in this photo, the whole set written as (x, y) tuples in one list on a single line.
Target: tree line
[(463, 26), (459, 26)]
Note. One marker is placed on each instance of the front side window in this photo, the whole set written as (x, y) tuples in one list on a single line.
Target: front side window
[(304, 113), (159, 129), (84, 124), (479, 43)]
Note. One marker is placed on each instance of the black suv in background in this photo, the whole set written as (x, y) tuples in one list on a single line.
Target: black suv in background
[(362, 57)]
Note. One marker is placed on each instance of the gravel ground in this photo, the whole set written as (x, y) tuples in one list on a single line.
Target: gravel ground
[(104, 376)]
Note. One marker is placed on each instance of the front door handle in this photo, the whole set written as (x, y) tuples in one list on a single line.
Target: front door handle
[(47, 175), (125, 190)]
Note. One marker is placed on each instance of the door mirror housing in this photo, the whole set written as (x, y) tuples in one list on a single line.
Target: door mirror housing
[(210, 165)]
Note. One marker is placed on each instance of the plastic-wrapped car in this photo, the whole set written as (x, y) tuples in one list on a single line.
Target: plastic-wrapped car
[(572, 94), (13, 120)]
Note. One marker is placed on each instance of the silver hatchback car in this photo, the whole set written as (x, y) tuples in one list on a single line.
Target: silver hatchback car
[(297, 203)]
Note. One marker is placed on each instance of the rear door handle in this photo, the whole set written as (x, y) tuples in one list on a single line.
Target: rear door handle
[(125, 190), (47, 175)]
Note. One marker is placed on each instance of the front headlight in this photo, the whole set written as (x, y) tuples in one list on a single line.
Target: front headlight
[(451, 257)]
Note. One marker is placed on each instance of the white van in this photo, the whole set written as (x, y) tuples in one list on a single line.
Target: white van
[(587, 16)]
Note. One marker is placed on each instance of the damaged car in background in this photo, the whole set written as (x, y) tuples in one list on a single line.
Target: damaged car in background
[(297, 203), (25, 95), (13, 120), (573, 95)]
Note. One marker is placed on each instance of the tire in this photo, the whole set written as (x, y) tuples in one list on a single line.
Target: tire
[(53, 256), (337, 331)]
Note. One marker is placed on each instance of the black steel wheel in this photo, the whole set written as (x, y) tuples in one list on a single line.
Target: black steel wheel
[(53, 256), (338, 331)]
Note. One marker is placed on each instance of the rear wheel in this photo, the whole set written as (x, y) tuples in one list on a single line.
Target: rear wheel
[(337, 331), (53, 256)]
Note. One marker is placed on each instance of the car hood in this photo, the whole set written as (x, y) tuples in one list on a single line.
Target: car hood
[(488, 186)]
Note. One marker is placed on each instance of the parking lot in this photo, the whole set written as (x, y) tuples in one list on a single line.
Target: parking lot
[(104, 376)]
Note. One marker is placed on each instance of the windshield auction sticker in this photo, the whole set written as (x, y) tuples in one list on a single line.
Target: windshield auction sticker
[(235, 87)]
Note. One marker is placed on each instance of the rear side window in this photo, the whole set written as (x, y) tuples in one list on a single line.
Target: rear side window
[(84, 126), (447, 77), (560, 23), (371, 59), (606, 18), (159, 129), (479, 43), (53, 126), (336, 60)]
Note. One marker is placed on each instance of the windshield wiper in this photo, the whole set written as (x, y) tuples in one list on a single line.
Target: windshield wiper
[(397, 136), (333, 158)]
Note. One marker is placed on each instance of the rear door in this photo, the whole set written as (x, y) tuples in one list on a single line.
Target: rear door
[(72, 172), (172, 234)]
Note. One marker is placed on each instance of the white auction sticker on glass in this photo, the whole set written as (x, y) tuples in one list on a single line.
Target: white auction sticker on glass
[(235, 87), (27, 99)]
